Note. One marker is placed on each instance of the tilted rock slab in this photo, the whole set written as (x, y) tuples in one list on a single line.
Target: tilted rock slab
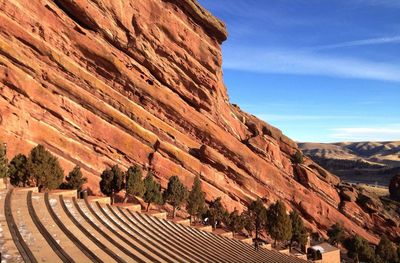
[(122, 81)]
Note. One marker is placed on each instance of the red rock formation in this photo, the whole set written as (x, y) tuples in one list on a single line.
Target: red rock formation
[(121, 81)]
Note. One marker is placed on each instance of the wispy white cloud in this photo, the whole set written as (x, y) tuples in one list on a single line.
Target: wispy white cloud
[(268, 60), (385, 133), (363, 42), (282, 117)]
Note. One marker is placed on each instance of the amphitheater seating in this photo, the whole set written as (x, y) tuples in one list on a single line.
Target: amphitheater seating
[(36, 227)]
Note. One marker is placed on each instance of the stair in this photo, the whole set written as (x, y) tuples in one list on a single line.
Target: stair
[(58, 227)]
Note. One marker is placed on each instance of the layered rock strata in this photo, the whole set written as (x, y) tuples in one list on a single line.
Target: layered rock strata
[(140, 82)]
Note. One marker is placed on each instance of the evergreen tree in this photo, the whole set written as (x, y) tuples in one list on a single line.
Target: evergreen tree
[(394, 187), (152, 192), (74, 179), (278, 223), (359, 249), (248, 223), (336, 234), (112, 182), (216, 213), (258, 214), (175, 194), (134, 182), (299, 233), (3, 161), (386, 250), (44, 168), (196, 200), (235, 222), (19, 171)]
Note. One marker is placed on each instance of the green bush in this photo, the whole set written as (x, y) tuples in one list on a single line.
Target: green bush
[(19, 171), (44, 168), (74, 179), (298, 158)]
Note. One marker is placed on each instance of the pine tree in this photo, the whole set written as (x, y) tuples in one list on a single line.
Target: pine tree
[(386, 250), (45, 169), (248, 222), (278, 223), (196, 200), (235, 222), (216, 213), (134, 182), (74, 179), (3, 161), (336, 234), (152, 192), (258, 214), (112, 182), (299, 233), (175, 194), (19, 171), (359, 249)]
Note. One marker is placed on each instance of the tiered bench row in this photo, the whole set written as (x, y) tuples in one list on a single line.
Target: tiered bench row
[(52, 228)]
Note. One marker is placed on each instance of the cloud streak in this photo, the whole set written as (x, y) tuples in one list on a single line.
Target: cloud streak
[(307, 63), (363, 42)]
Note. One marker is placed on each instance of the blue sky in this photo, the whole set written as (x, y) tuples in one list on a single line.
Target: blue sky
[(320, 70)]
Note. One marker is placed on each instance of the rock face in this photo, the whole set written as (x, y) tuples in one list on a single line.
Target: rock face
[(122, 81)]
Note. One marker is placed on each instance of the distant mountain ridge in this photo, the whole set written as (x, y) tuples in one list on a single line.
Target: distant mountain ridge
[(368, 162)]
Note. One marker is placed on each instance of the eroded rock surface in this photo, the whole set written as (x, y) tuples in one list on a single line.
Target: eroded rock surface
[(122, 81)]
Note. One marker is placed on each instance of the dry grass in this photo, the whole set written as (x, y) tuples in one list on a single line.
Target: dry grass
[(378, 190)]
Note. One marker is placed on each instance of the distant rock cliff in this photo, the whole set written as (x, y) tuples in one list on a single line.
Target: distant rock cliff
[(121, 81)]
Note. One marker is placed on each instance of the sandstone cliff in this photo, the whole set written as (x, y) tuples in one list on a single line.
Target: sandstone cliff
[(120, 81)]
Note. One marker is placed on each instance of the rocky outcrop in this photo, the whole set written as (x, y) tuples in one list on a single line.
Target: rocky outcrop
[(140, 82)]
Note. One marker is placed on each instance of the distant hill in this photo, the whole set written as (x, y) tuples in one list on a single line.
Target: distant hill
[(367, 162)]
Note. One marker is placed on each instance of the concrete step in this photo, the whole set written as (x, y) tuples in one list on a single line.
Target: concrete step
[(26, 189), (65, 193), (181, 221), (56, 207), (130, 206), (30, 233), (205, 228), (8, 249), (247, 240), (100, 199), (55, 232), (158, 214)]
